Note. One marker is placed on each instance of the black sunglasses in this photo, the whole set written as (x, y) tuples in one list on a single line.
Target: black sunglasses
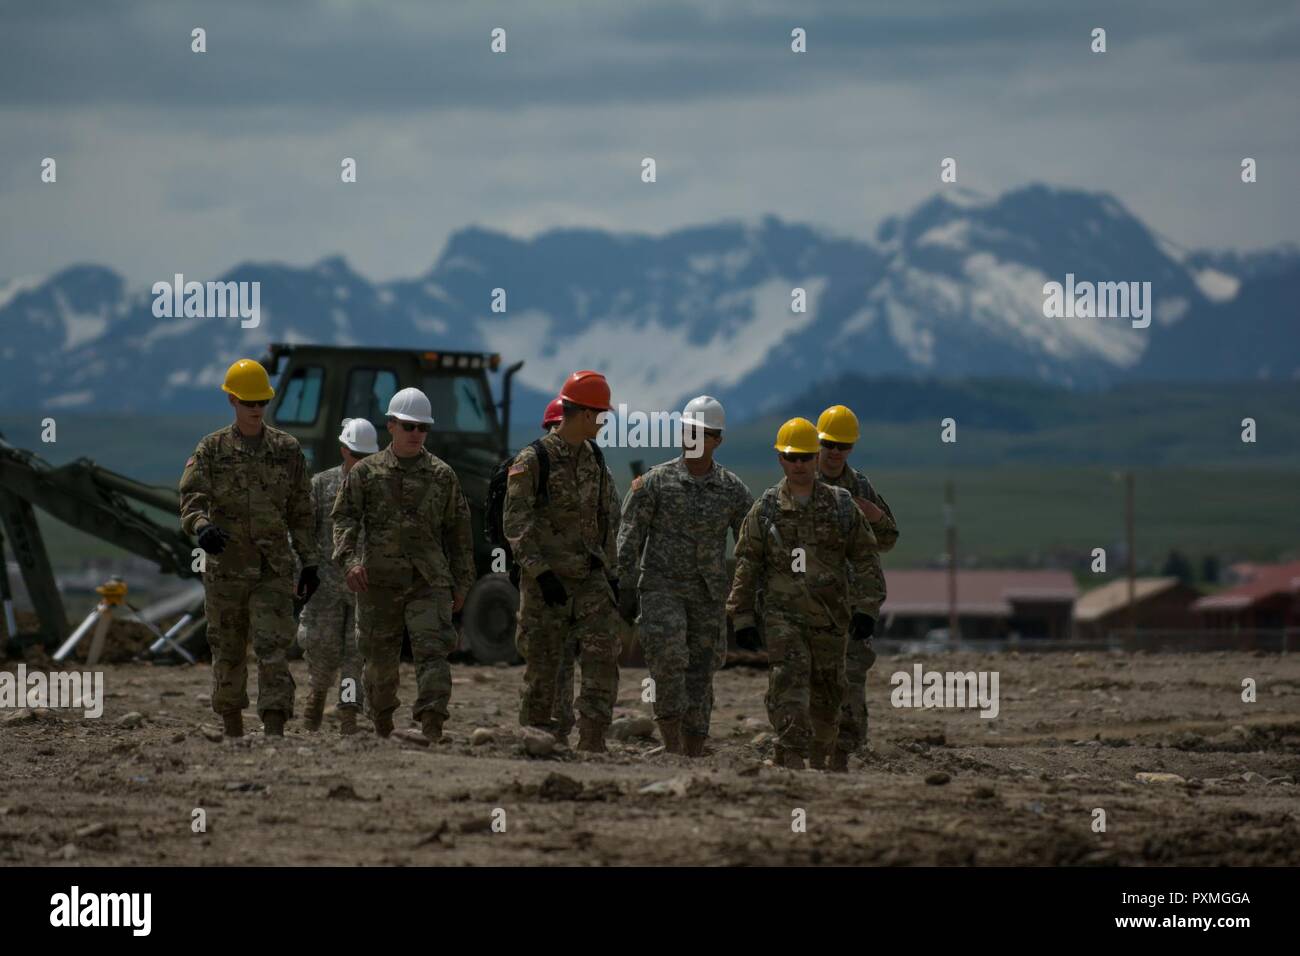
[(414, 426), (261, 403), (837, 445), (798, 455)]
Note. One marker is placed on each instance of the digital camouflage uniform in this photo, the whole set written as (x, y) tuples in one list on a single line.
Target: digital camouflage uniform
[(327, 627), (406, 522), (259, 492), (806, 613), (674, 534), (565, 536), (861, 655)]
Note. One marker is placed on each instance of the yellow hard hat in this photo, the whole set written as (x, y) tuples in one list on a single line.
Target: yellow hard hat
[(248, 381), (838, 423), (797, 436)]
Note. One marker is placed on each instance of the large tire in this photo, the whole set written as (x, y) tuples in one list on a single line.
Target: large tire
[(488, 619)]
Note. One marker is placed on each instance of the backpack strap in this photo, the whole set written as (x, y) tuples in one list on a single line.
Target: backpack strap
[(602, 504), (543, 473)]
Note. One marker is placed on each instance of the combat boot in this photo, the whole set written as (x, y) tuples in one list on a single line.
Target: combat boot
[(671, 732), (314, 711), (839, 761), (384, 724), (273, 723), (693, 744), (431, 726), (792, 760), (591, 735), (817, 756), (347, 722), (234, 723)]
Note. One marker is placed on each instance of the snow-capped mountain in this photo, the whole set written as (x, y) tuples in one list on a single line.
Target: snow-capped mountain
[(953, 289)]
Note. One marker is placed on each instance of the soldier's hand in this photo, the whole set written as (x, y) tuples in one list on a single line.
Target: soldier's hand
[(457, 602), (308, 582), (553, 592), (627, 605), (356, 579), (213, 539), (864, 625), (747, 638), (869, 509)]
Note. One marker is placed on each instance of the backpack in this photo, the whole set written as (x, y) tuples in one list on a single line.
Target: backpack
[(494, 507)]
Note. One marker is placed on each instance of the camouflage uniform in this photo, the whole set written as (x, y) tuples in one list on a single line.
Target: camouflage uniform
[(259, 492), (861, 655), (565, 536), (406, 522), (805, 615), (674, 529), (327, 627)]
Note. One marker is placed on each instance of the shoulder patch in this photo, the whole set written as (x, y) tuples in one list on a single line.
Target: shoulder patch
[(191, 461), (517, 469), (637, 483)]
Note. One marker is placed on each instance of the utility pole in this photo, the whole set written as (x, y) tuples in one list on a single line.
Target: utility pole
[(950, 524), (1132, 557)]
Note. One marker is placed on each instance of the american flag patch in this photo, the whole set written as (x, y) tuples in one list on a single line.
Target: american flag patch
[(516, 470), (190, 462)]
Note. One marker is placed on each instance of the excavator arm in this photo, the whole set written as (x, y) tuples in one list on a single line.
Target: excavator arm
[(91, 499)]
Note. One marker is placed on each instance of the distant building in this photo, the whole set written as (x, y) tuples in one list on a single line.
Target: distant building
[(1268, 600), (990, 604), (1163, 604)]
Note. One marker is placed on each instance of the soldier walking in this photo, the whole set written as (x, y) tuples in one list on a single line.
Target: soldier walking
[(674, 536), (796, 546), (562, 533), (327, 630), (837, 430), (246, 494), (402, 539)]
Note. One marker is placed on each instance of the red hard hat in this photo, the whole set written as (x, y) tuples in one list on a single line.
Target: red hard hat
[(554, 413), (589, 389)]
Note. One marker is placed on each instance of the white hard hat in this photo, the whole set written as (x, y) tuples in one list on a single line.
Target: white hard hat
[(706, 412), (359, 435), (411, 405)]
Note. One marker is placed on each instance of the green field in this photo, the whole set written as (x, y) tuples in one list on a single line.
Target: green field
[(1032, 516), (1017, 510)]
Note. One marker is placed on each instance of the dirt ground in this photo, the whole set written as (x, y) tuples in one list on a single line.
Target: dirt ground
[(936, 787)]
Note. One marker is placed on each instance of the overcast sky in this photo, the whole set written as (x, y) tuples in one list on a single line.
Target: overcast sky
[(171, 161)]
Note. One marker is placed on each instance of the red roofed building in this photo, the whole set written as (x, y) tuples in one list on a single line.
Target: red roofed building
[(990, 604), (1269, 599)]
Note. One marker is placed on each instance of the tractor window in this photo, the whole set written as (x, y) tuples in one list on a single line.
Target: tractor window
[(460, 403), (369, 392), (300, 397)]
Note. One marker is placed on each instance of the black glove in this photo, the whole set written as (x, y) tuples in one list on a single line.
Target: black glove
[(864, 625), (627, 605), (213, 540), (308, 582), (553, 592), (747, 638)]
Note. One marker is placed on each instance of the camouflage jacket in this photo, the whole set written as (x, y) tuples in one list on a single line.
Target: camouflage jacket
[(885, 530), (675, 528), (818, 589), (324, 490), (388, 519), (261, 496), (564, 533)]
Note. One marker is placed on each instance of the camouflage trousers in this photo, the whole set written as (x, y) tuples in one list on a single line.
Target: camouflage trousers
[(853, 713), (550, 639), (681, 633), (805, 684), (244, 610), (327, 634), (384, 610)]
